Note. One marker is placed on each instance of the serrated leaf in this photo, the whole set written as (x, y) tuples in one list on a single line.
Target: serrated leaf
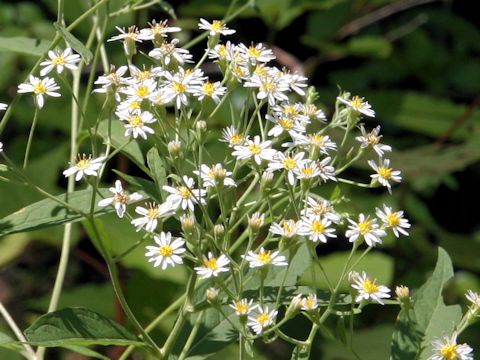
[(23, 45), (78, 327), (74, 43), (47, 212)]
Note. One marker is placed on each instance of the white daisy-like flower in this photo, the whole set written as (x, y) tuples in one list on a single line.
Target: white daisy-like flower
[(473, 297), (136, 123), (313, 113), (141, 75), (168, 252), (285, 124), (256, 220), (59, 61), (119, 199), (384, 173), (393, 220), (373, 139), (307, 169), (84, 166), (270, 87), (366, 228), (262, 319), (257, 53), (265, 257), (141, 90), (296, 82), (286, 228), (326, 171), (158, 29), (215, 174), (150, 216), (213, 266), (309, 303), (448, 349), (312, 142), (210, 90), (223, 52), (316, 228), (39, 88), (179, 85), (216, 27), (358, 104), (369, 289), (232, 136), (169, 52), (185, 196), (258, 149), (112, 80), (320, 208), (242, 307), (287, 162), (129, 38)]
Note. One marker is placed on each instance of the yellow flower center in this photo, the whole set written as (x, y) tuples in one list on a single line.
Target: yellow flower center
[(253, 52), (286, 123), (318, 227), (365, 226), (290, 110), (241, 307), (83, 164), (134, 105), (58, 61), (121, 198), (385, 172), (370, 286), (217, 25), (184, 192), (357, 102), (236, 139), (263, 319), (178, 87), (372, 139), (393, 219), (165, 251), (260, 70), (319, 209), (211, 263), (208, 88), (153, 213), (317, 140), (222, 51), (142, 91), (39, 89), (307, 171), (135, 121), (144, 75), (449, 352), (289, 163), (310, 302), (264, 257), (238, 71), (254, 149), (268, 86)]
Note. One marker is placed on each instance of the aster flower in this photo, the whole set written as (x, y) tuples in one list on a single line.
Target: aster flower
[(286, 228), (326, 171), (129, 38), (150, 216), (140, 90), (169, 52), (39, 88), (212, 266), (256, 220), (287, 162), (359, 105), (59, 61), (296, 82), (384, 173), (84, 166), (216, 27), (136, 123), (232, 136), (259, 150), (307, 169), (210, 90), (309, 303), (215, 174), (180, 84), (158, 29), (270, 87), (242, 307), (473, 297), (119, 199), (448, 349), (184, 196), (373, 139), (320, 208), (262, 319), (141, 75), (369, 289), (265, 257), (168, 252), (112, 80), (284, 124), (366, 228), (393, 220), (316, 228), (313, 113), (256, 53)]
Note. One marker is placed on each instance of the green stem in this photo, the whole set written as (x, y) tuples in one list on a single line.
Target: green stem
[(30, 138), (191, 337)]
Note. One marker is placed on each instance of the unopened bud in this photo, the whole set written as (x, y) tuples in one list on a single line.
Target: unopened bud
[(267, 178), (256, 221), (201, 125), (212, 295), (187, 222), (402, 292), (174, 147), (219, 230)]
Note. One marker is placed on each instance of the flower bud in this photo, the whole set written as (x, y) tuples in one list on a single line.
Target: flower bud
[(219, 230), (256, 221), (201, 125), (174, 148), (266, 181), (212, 295), (187, 222), (402, 292)]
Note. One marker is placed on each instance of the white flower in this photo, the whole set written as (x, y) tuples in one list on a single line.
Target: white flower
[(3, 106), (59, 60), (393, 220), (136, 121), (1, 147), (184, 196), (265, 257), (367, 228), (216, 27), (326, 171), (208, 89), (368, 288), (167, 252), (312, 142), (39, 88), (180, 84), (283, 123), (232, 136), (259, 150), (384, 173), (242, 307), (448, 349), (316, 228), (84, 166), (473, 297), (223, 52), (257, 53), (321, 208), (112, 80), (357, 104), (263, 319), (296, 82), (286, 228), (215, 174), (212, 266), (158, 29), (169, 51), (139, 75), (141, 90), (307, 169), (119, 199), (129, 38), (270, 87), (287, 162), (373, 139), (150, 216), (314, 113), (309, 303)]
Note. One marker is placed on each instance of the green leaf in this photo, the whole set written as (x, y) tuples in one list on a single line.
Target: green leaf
[(369, 46), (168, 8), (145, 185), (23, 45), (8, 343), (78, 327), (74, 42), (47, 212), (157, 168), (86, 352)]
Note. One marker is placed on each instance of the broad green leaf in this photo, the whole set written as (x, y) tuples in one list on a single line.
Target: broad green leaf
[(157, 168), (91, 354), (23, 45), (78, 327), (406, 337), (370, 46), (8, 343), (74, 43), (48, 212), (145, 185), (132, 150)]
